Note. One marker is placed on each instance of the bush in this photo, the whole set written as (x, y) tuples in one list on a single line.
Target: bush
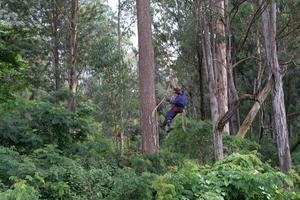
[(12, 164), (196, 142), (156, 163), (29, 125), (233, 144), (20, 190), (237, 177), (128, 185)]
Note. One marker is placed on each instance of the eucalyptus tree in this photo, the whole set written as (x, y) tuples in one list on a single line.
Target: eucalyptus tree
[(269, 22), (150, 140)]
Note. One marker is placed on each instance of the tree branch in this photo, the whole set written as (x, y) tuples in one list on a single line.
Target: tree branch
[(226, 117)]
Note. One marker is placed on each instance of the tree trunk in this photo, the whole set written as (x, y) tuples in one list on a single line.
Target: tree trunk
[(254, 110), (232, 91), (279, 113), (150, 140), (261, 67), (209, 65), (201, 86), (122, 131), (72, 71), (221, 63), (55, 49)]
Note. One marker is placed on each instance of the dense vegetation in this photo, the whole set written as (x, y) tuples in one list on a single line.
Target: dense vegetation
[(35, 164), (49, 151)]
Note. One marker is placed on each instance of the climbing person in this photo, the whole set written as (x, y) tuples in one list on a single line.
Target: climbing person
[(178, 105)]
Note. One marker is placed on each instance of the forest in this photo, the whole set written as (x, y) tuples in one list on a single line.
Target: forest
[(144, 100)]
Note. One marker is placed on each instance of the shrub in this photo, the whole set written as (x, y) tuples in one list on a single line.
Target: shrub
[(20, 190), (196, 142), (158, 163), (128, 185), (237, 177), (30, 124)]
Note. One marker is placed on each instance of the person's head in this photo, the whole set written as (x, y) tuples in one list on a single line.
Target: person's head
[(177, 90)]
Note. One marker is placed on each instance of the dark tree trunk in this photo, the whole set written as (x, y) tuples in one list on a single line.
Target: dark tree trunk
[(201, 86), (279, 113), (55, 50), (150, 140), (72, 71)]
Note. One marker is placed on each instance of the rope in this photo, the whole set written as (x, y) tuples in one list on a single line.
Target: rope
[(183, 121), (165, 96)]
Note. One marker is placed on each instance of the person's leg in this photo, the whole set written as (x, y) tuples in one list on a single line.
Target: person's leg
[(170, 115)]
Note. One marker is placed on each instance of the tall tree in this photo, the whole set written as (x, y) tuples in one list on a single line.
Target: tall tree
[(221, 62), (150, 141), (212, 79), (55, 48), (72, 70), (279, 113)]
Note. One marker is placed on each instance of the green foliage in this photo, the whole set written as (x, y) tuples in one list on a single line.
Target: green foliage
[(156, 163), (55, 176), (233, 144), (12, 68), (29, 124), (269, 151), (20, 191), (12, 164), (127, 185), (196, 141), (95, 153), (296, 161), (66, 178), (237, 177)]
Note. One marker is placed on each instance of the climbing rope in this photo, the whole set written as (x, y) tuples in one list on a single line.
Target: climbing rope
[(171, 85), (183, 120)]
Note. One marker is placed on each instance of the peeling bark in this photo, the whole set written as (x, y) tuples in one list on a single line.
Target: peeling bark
[(221, 63), (212, 84), (279, 113)]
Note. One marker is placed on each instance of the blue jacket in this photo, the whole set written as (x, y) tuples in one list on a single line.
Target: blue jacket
[(179, 101)]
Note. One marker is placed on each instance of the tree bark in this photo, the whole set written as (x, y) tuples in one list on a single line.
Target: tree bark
[(212, 85), (150, 140), (221, 63), (72, 71), (55, 50), (232, 91), (200, 62), (121, 71), (279, 113), (201, 86), (254, 110)]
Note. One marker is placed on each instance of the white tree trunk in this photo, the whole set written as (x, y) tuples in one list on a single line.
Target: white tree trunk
[(212, 85), (221, 63), (279, 113)]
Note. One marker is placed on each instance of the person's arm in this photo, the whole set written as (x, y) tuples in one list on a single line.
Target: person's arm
[(173, 101)]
